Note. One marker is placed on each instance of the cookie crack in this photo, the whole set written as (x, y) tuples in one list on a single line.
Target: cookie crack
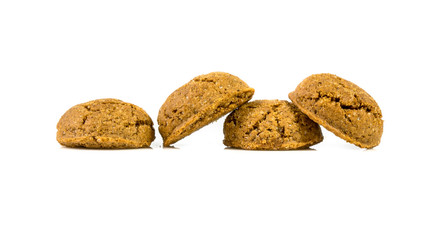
[(255, 126), (280, 129), (134, 123), (358, 106), (84, 120), (204, 80)]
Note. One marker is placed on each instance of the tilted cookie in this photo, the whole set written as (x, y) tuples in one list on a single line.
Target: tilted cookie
[(270, 125), (341, 107), (105, 123), (201, 101)]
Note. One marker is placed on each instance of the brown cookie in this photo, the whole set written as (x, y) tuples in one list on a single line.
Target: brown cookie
[(270, 125), (105, 123), (341, 107), (200, 102)]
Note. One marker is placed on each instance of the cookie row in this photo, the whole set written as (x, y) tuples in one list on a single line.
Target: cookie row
[(338, 105)]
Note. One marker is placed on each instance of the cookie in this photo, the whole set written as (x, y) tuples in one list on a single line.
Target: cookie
[(105, 123), (201, 101), (270, 125), (341, 107)]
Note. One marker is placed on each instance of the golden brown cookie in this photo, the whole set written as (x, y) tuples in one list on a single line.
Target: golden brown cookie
[(270, 125), (105, 123), (200, 102), (341, 107)]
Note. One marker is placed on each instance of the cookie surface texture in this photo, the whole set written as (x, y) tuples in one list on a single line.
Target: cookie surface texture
[(341, 107), (105, 123), (270, 125), (201, 101)]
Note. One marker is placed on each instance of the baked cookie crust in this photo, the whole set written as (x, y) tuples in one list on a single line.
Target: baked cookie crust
[(201, 101), (105, 123), (270, 125), (341, 107)]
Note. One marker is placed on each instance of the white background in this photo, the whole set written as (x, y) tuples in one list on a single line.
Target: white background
[(56, 54)]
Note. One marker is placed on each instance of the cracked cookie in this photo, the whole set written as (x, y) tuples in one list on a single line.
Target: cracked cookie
[(341, 107), (105, 123), (270, 125), (201, 101)]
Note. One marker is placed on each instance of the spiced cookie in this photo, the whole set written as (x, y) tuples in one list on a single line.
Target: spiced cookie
[(270, 125), (105, 123), (341, 107), (199, 102)]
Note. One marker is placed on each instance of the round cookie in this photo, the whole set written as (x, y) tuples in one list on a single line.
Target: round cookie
[(105, 123), (201, 101), (270, 125), (341, 107)]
